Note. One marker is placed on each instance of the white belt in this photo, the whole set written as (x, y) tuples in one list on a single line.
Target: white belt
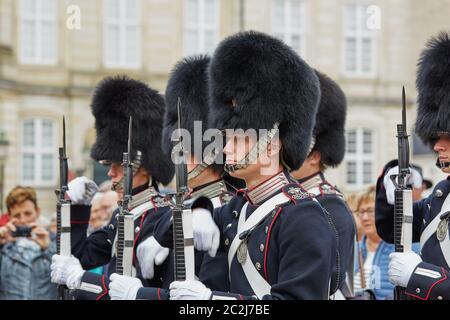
[(259, 285)]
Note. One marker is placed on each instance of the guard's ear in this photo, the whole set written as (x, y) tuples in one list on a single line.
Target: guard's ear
[(144, 172), (274, 147), (315, 157)]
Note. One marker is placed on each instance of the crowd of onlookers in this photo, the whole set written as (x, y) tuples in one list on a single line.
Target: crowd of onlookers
[(28, 242)]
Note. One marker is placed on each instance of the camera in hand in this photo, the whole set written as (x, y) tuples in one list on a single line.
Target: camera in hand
[(22, 231)]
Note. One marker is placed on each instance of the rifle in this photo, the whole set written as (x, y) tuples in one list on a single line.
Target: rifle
[(183, 238), (403, 214), (63, 246), (125, 221)]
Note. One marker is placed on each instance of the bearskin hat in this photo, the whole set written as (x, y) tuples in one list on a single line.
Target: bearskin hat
[(329, 131), (433, 86), (115, 100), (255, 81)]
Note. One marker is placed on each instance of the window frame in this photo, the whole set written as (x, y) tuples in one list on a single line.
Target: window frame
[(287, 29), (38, 150), (359, 35), (360, 158), (38, 18), (201, 27), (122, 22)]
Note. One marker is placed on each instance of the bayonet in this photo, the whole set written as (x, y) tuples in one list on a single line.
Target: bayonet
[(403, 215), (183, 239), (63, 245), (125, 221)]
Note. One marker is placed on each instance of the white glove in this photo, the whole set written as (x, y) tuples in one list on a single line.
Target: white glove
[(414, 179), (189, 290), (82, 190), (150, 253), (206, 232), (123, 287), (66, 270), (401, 267)]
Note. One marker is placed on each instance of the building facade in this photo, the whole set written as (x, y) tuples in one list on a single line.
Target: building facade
[(53, 52)]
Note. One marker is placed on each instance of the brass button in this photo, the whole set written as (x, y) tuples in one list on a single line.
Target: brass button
[(418, 290), (111, 226), (438, 193), (261, 247), (439, 298), (235, 213), (109, 241), (227, 241), (258, 266), (137, 229), (267, 229)]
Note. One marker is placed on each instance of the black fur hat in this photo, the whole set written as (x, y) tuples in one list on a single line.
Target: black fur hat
[(329, 131), (115, 100), (257, 80), (433, 86), (189, 82)]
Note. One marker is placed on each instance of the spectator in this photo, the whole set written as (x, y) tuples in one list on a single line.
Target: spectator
[(109, 203), (105, 186), (374, 252), (352, 202), (53, 224), (97, 219), (25, 261)]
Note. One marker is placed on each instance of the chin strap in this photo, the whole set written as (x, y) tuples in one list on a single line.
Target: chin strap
[(207, 161), (442, 165), (118, 186), (255, 152)]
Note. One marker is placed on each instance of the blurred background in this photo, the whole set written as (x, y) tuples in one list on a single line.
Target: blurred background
[(53, 52)]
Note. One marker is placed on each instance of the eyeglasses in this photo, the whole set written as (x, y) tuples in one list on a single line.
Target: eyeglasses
[(370, 212)]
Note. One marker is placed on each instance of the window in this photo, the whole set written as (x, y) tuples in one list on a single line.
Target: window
[(359, 157), (38, 152), (122, 34), (288, 23), (359, 42), (201, 26), (38, 32)]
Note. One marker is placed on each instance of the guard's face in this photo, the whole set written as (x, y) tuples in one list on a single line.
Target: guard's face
[(442, 147), (24, 213), (236, 148), (115, 172)]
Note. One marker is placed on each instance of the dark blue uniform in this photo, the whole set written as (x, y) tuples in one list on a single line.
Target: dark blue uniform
[(96, 250), (333, 202), (293, 248), (430, 279), (213, 272)]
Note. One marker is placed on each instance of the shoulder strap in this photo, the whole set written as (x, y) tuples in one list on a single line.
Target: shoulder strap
[(259, 285)]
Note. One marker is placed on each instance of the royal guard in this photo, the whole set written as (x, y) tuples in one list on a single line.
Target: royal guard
[(425, 276), (276, 235), (328, 150), (114, 101), (209, 186)]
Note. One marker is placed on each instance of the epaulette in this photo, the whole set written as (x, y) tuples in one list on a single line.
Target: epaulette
[(326, 188), (296, 193)]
